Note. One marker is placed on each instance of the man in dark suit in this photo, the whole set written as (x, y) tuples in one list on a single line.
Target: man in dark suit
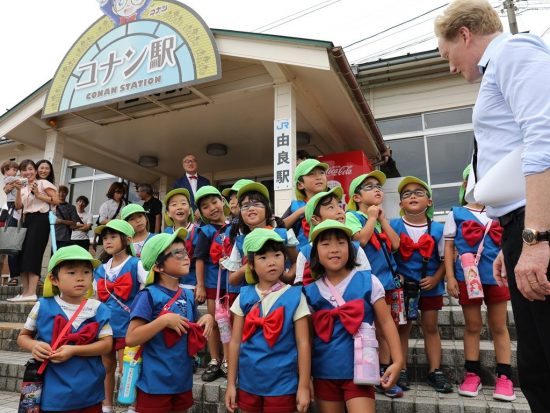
[(191, 180)]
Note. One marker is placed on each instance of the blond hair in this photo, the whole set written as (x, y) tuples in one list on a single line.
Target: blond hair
[(477, 15)]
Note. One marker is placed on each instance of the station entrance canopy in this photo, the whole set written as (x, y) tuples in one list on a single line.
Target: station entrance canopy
[(159, 83)]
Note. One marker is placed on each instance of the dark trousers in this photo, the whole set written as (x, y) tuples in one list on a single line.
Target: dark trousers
[(13, 260), (84, 243), (532, 321)]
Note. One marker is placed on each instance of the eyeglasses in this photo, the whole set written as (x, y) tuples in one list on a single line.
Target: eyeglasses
[(180, 254), (255, 205), (419, 193), (371, 187), (190, 161)]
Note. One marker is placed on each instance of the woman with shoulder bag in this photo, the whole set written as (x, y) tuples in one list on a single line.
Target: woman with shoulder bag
[(35, 197)]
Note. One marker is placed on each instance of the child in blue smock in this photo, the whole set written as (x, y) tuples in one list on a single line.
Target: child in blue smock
[(333, 264), (169, 337), (310, 178), (117, 281), (179, 214), (466, 228), (136, 216), (74, 376), (272, 363), (421, 246)]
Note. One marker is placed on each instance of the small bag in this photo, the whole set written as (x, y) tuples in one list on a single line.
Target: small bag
[(12, 238), (469, 263), (366, 365)]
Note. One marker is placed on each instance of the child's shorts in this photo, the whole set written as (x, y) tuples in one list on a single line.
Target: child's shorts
[(119, 343), (493, 294), (96, 408), (211, 293), (333, 390), (434, 303), (158, 403), (268, 404)]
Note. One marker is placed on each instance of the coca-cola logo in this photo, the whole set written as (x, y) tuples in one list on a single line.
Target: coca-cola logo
[(340, 170)]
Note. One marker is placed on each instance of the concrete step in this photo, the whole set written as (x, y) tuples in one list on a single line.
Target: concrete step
[(6, 291), (451, 324), (452, 361), (15, 312), (8, 336)]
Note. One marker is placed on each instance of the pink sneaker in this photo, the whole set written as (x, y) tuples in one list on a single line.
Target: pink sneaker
[(504, 389), (470, 386)]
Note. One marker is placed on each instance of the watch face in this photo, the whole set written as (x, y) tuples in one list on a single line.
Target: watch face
[(529, 236)]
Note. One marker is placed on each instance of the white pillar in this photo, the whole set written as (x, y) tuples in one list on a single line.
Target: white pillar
[(53, 152), (284, 144), (163, 186)]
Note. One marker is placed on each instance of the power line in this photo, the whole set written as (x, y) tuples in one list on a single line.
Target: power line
[(397, 25), (412, 42), (295, 16)]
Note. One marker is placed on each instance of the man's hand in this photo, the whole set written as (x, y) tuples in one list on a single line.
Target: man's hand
[(531, 277)]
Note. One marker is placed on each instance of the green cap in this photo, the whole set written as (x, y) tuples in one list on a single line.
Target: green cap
[(462, 190), (155, 246), (253, 242), (118, 225), (131, 209), (73, 252), (178, 191), (414, 180), (236, 186), (304, 168), (253, 187), (209, 190), (376, 174), (326, 225), (314, 201)]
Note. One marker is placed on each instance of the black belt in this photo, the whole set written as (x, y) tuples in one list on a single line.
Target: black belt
[(511, 216)]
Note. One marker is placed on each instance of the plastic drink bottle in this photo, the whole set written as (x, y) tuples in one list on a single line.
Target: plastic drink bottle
[(131, 368), (366, 366)]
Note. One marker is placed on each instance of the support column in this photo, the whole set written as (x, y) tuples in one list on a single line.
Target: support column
[(163, 186), (284, 144), (54, 151)]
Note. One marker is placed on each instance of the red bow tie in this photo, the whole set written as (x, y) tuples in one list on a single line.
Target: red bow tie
[(195, 338), (216, 252), (351, 316), (193, 177), (272, 324), (376, 243), (473, 232), (86, 335), (425, 246), (121, 287), (305, 227)]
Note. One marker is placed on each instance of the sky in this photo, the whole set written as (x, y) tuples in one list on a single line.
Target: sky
[(35, 35)]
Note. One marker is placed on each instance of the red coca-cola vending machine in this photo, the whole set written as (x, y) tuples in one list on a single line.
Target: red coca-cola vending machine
[(345, 166)]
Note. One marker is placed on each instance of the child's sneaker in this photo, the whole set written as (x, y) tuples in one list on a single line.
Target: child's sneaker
[(394, 392), (471, 385), (224, 368), (439, 382), (504, 389), (212, 372), (403, 380)]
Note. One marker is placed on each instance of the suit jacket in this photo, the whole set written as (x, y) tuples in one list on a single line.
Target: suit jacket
[(183, 182)]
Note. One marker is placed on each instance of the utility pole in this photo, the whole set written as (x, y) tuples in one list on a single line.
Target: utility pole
[(510, 9)]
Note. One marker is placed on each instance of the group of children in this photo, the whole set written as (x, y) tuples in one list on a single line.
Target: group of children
[(303, 293)]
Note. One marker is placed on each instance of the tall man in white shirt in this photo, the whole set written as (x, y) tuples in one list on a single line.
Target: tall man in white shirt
[(512, 109)]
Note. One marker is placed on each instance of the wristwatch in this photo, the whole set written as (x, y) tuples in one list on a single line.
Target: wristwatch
[(532, 237)]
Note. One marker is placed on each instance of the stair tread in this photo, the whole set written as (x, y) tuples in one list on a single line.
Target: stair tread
[(14, 357), (6, 325)]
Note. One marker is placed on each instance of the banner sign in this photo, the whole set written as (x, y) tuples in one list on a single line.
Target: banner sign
[(139, 47), (282, 155)]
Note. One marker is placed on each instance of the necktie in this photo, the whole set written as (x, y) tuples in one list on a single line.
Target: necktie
[(193, 177)]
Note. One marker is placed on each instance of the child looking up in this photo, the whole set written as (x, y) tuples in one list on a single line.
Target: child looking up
[(136, 216), (362, 294), (309, 179), (117, 282), (466, 228), (163, 323), (74, 375), (418, 260), (273, 365), (230, 195), (208, 254)]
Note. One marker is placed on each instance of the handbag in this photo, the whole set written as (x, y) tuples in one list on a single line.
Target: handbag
[(12, 238)]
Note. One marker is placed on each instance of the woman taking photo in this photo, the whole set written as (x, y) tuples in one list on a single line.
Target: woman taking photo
[(36, 198)]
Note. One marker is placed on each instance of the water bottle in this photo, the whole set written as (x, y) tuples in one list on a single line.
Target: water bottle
[(224, 324), (366, 367), (397, 306), (131, 368), (474, 287), (412, 296), (31, 388)]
